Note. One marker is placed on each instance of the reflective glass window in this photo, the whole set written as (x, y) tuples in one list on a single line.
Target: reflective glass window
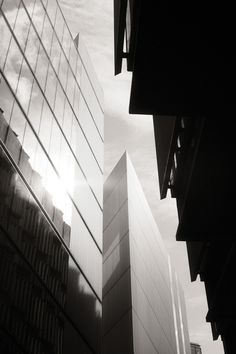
[(55, 53), (29, 146), (24, 86), (13, 64), (6, 34), (66, 41), (51, 86), (18, 122), (22, 26), (29, 4), (15, 134), (6, 99), (87, 160), (59, 104), (92, 101), (51, 10), (35, 108), (88, 205), (73, 57), (89, 128), (59, 25), (70, 86), (32, 48), (47, 35), (63, 70), (55, 144), (10, 9), (38, 16), (67, 121), (78, 70), (42, 67), (45, 129)]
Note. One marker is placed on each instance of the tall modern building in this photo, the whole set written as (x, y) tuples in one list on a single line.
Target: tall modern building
[(184, 75), (143, 303), (51, 185)]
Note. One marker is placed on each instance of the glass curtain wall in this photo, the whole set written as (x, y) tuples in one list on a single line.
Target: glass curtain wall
[(51, 130)]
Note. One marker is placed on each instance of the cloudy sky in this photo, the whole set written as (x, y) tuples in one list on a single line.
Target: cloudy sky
[(94, 20)]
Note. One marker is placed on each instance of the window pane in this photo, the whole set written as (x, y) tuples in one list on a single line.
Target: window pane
[(67, 41), (35, 107), (47, 35), (73, 58), (70, 86), (63, 69), (41, 67), (22, 26), (29, 147), (59, 104), (32, 48), (18, 122), (59, 25), (67, 121), (38, 16), (24, 86), (51, 10), (15, 134), (10, 8), (29, 4), (6, 99), (55, 53), (46, 126), (13, 64), (55, 145), (6, 34), (51, 86)]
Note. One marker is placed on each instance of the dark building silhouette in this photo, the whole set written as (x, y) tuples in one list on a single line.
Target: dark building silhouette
[(51, 185), (143, 302), (195, 348), (182, 60)]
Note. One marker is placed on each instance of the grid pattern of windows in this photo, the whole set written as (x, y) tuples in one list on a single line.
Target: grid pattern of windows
[(52, 128)]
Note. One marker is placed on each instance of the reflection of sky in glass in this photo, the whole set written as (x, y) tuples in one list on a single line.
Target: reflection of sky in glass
[(60, 89)]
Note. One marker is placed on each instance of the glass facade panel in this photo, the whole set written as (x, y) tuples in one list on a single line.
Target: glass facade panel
[(35, 107), (6, 34), (32, 47), (22, 26), (42, 67), (55, 53), (45, 129), (13, 64), (24, 86), (10, 9), (29, 5), (51, 86), (6, 99), (38, 16), (51, 184), (59, 104), (47, 35), (59, 25)]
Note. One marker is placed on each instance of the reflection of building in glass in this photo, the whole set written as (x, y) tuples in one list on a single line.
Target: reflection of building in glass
[(143, 303), (51, 136), (195, 348)]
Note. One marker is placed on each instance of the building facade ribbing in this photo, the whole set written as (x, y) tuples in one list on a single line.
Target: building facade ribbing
[(51, 166)]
